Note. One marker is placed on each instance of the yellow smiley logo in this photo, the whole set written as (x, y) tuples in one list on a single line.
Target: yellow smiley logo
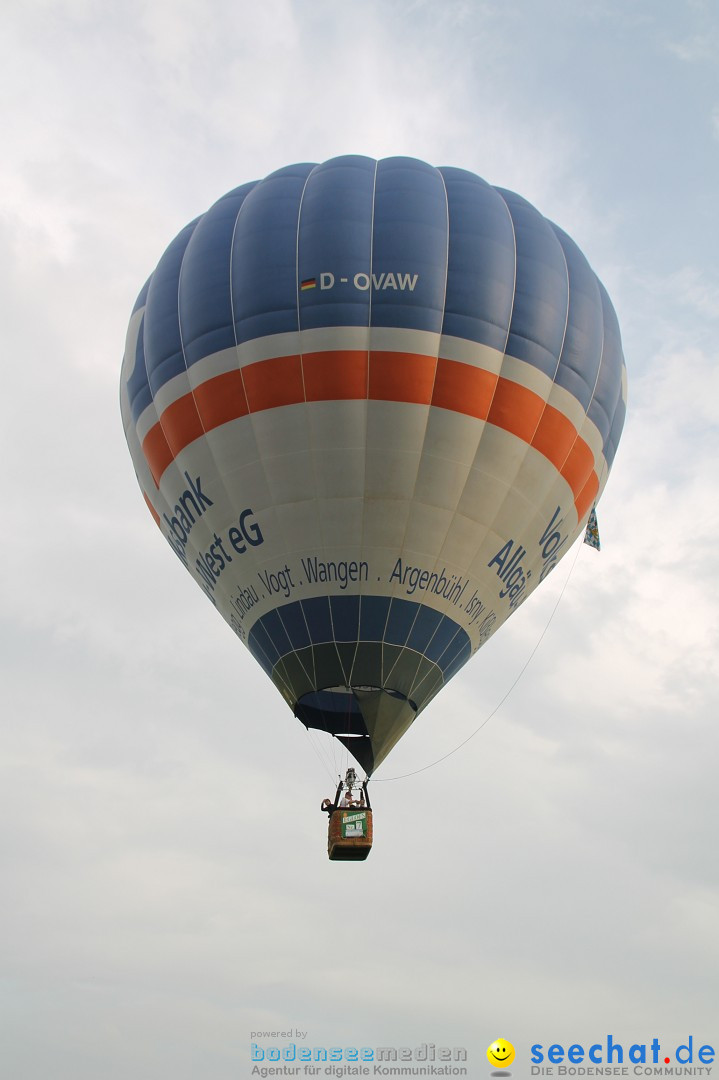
[(500, 1053)]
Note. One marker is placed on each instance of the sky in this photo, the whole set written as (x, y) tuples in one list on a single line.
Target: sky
[(165, 888)]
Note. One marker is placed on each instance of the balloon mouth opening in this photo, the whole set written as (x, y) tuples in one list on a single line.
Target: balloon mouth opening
[(338, 710), (367, 719)]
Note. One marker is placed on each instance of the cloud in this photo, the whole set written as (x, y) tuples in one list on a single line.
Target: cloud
[(692, 288), (696, 48)]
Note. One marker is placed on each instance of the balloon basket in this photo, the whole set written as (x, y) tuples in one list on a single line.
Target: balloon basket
[(349, 835)]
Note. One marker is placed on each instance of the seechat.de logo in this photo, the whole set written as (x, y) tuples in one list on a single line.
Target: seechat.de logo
[(647, 1059)]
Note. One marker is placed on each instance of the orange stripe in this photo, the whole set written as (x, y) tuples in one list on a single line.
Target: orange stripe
[(341, 375), (555, 436), (181, 423), (464, 389), (396, 376), (156, 451), (221, 399), (586, 496), (270, 384), (335, 376), (579, 466), (515, 409)]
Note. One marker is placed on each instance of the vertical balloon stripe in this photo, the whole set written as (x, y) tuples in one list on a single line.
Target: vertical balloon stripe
[(334, 239), (138, 385), (205, 298), (405, 192), (610, 447), (162, 339), (541, 301), (264, 256), (480, 274), (334, 244), (607, 392), (410, 238), (582, 348)]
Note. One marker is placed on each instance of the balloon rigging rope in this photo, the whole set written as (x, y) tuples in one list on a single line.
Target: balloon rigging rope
[(497, 707), (321, 758)]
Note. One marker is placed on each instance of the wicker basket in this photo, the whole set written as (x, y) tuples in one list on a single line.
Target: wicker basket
[(349, 836)]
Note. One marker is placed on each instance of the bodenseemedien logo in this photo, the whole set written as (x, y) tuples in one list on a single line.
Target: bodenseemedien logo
[(427, 1059)]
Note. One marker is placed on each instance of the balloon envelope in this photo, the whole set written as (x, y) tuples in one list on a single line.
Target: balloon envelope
[(370, 404)]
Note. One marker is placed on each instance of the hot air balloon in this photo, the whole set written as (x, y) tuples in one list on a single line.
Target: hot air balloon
[(370, 405)]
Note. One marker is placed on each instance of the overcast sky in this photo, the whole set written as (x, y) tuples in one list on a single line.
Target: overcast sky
[(165, 887)]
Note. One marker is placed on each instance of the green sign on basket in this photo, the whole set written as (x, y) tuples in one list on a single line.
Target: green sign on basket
[(354, 824)]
